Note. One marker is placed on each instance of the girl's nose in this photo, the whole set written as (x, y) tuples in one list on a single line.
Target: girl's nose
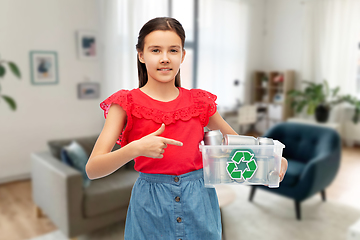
[(164, 58)]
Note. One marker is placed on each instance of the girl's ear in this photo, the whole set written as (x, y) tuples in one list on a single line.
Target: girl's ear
[(183, 56), (141, 57)]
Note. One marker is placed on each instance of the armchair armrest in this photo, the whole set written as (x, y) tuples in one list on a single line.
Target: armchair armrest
[(319, 173), (56, 189)]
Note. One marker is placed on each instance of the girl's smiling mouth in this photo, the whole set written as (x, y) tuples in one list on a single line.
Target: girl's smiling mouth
[(164, 69)]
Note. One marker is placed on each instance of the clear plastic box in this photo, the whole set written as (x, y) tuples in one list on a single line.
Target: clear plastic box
[(242, 164)]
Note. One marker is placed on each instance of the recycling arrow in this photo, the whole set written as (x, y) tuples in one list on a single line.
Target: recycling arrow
[(238, 157)]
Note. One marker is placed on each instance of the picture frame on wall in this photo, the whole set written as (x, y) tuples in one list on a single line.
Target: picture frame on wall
[(87, 45), (44, 67), (88, 90)]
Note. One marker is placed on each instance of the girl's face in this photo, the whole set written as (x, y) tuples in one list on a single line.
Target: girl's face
[(162, 55)]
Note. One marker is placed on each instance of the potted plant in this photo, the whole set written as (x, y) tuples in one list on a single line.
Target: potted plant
[(264, 81), (15, 70), (317, 97)]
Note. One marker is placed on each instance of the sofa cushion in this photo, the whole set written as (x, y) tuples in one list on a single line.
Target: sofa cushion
[(78, 159), (86, 142), (109, 193), (65, 158)]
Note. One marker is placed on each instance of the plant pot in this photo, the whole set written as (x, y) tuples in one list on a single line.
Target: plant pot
[(322, 113)]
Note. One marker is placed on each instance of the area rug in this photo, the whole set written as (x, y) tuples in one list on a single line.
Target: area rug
[(268, 217), (272, 217)]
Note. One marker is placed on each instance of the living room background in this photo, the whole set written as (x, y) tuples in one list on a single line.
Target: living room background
[(270, 38)]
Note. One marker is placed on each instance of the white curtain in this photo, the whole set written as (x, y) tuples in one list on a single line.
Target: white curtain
[(121, 21), (331, 41), (222, 41)]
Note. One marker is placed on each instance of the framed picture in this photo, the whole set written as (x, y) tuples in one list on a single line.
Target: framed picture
[(43, 67), (88, 90), (87, 45)]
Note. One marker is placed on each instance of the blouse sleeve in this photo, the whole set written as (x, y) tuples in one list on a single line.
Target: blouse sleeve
[(212, 105), (205, 103), (119, 97)]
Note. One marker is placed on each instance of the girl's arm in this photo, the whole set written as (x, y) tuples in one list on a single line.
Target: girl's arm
[(216, 122), (103, 162)]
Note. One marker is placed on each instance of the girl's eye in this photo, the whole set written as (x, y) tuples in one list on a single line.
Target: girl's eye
[(155, 50), (174, 50)]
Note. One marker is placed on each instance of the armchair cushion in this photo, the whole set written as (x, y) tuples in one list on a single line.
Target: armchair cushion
[(314, 149), (293, 173)]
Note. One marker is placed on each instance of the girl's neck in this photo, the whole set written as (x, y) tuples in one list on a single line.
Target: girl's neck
[(161, 91)]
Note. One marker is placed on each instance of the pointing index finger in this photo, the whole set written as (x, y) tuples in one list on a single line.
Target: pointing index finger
[(172, 142)]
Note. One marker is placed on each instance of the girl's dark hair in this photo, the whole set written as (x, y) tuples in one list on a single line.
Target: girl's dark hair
[(160, 23)]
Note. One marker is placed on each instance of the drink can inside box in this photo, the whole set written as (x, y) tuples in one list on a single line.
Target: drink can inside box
[(243, 164)]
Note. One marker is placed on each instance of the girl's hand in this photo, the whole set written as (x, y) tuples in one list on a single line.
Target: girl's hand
[(154, 146), (283, 168)]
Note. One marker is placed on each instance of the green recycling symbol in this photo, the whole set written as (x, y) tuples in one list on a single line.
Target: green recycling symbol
[(245, 171)]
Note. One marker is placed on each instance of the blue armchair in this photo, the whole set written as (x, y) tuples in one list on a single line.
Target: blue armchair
[(313, 154)]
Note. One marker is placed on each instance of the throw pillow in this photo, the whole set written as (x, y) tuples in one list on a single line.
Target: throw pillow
[(78, 159), (65, 158)]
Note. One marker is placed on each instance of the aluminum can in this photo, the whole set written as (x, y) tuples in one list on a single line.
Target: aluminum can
[(267, 154), (239, 140), (222, 175), (262, 161), (265, 141), (213, 137)]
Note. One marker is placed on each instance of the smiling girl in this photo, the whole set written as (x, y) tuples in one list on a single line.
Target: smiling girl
[(160, 125)]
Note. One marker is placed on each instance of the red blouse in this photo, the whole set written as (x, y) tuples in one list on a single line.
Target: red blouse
[(185, 118)]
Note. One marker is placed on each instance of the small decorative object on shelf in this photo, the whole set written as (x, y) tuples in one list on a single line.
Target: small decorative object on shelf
[(277, 84), (279, 78), (264, 81)]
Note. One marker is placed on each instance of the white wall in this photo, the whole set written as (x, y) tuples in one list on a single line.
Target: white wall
[(53, 111), (44, 111), (275, 38), (283, 35), (255, 44)]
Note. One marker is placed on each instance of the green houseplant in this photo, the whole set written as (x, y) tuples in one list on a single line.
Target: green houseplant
[(317, 97), (15, 70)]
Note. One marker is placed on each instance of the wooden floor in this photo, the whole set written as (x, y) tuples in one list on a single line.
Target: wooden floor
[(18, 218)]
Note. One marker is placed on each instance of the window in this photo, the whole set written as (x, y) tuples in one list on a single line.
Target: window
[(185, 12)]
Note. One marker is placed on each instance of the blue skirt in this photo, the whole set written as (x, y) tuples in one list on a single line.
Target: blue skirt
[(173, 207)]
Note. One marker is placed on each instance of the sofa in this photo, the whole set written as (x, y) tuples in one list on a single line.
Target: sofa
[(59, 193)]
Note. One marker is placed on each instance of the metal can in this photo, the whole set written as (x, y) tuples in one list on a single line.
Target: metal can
[(264, 160), (265, 141), (239, 140), (213, 137)]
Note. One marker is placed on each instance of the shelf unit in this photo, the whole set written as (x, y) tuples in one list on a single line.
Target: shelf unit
[(272, 97)]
